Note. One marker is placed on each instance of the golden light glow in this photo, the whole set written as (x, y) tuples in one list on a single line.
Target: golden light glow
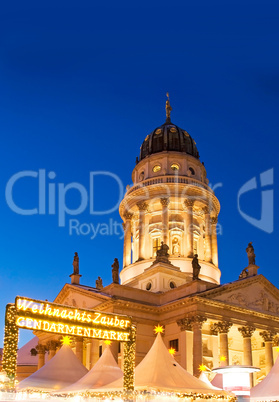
[(66, 340), (159, 329), (42, 310), (70, 329), (172, 351), (107, 343), (223, 358), (277, 349), (202, 367)]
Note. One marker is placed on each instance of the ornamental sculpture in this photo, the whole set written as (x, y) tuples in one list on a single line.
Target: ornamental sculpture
[(196, 267), (76, 264), (251, 254), (99, 283), (162, 254), (115, 271)]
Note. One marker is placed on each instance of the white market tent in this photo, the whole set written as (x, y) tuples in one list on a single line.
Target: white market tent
[(61, 371), (103, 372), (159, 371), (268, 388)]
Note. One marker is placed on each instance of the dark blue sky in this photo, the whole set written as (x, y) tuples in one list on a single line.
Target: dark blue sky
[(81, 85)]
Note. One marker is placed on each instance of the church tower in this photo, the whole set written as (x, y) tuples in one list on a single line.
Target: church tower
[(170, 202)]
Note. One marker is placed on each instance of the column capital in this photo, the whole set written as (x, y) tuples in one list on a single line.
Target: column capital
[(247, 332), (128, 216), (165, 201), (268, 336), (142, 206), (41, 349), (221, 327), (214, 220), (187, 323), (52, 345), (206, 210), (188, 203)]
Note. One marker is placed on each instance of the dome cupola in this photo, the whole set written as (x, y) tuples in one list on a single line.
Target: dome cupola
[(168, 137)]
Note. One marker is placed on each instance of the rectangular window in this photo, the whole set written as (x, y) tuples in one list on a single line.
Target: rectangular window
[(100, 350), (174, 344)]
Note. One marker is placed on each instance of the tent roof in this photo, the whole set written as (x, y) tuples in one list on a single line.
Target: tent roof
[(268, 388), (104, 372), (160, 371), (59, 372)]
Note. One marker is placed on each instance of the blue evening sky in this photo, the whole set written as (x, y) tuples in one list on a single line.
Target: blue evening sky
[(83, 83)]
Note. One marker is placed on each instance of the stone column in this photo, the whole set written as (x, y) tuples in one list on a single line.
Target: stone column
[(188, 228), (223, 327), (208, 242), (79, 348), (165, 219), (41, 349), (127, 239), (247, 333), (214, 244), (52, 346), (94, 352), (197, 343), (142, 206), (194, 324), (268, 337)]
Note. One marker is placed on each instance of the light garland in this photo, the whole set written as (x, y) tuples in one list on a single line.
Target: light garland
[(9, 362), (129, 361)]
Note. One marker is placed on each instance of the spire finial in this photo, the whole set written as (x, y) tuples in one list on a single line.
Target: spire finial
[(168, 108)]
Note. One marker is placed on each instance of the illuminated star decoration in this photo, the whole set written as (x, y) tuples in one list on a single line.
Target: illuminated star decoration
[(223, 358), (107, 342), (172, 351), (202, 367), (277, 349), (159, 329), (66, 340)]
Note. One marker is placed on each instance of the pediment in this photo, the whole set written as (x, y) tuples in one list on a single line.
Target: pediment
[(255, 293), (87, 298)]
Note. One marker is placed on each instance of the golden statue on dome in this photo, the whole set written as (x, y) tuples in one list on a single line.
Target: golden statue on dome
[(168, 107)]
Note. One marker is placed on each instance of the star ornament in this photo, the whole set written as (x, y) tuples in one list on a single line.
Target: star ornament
[(66, 340), (159, 329), (172, 351), (107, 342), (223, 358), (277, 349), (202, 367)]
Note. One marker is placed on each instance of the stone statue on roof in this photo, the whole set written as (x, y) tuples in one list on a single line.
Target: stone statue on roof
[(115, 271), (76, 264), (251, 254)]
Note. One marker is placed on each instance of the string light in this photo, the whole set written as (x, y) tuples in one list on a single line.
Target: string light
[(129, 361), (9, 362)]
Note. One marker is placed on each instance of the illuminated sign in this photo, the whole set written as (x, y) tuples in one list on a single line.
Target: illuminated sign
[(38, 315)]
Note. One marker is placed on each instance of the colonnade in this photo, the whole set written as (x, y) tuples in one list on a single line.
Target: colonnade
[(210, 243), (221, 329)]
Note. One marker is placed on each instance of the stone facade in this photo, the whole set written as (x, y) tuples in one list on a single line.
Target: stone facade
[(206, 322)]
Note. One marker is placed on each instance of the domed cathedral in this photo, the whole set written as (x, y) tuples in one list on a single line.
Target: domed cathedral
[(170, 202), (170, 273)]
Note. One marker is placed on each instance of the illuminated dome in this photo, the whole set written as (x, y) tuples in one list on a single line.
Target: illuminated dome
[(168, 137)]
